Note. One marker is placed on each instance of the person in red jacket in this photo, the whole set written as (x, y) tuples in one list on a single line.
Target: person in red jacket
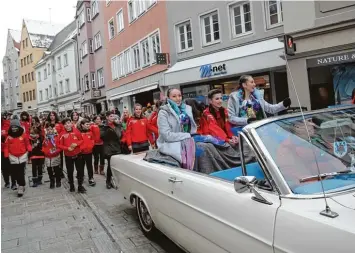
[(53, 118), (86, 148), (25, 122), (75, 118), (52, 152), (215, 119), (153, 123), (16, 148), (137, 133), (98, 150), (5, 162), (70, 141)]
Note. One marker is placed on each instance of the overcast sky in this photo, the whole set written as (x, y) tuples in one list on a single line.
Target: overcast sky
[(13, 11)]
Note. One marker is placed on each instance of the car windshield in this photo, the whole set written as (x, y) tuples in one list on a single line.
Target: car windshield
[(331, 149)]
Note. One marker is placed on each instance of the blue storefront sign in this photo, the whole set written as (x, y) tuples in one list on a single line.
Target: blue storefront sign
[(209, 70)]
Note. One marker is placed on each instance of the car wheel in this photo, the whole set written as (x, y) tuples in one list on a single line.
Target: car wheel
[(145, 220)]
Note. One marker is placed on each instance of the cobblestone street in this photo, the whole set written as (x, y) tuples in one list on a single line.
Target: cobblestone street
[(46, 220)]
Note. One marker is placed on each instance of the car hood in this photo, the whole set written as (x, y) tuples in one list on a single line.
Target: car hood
[(345, 200)]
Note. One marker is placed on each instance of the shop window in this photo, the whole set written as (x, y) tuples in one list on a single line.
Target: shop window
[(274, 13), (241, 19), (210, 28), (184, 36)]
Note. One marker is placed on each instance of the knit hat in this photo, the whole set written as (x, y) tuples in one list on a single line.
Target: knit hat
[(15, 122)]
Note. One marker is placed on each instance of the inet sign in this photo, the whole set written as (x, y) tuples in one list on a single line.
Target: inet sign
[(208, 70)]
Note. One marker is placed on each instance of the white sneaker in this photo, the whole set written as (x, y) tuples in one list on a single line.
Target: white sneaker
[(20, 191)]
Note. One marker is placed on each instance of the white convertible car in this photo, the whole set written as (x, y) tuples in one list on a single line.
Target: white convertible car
[(297, 195)]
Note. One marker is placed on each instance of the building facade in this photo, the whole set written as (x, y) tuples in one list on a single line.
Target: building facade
[(135, 32), (11, 71), (323, 67), (57, 75), (214, 43), (92, 55), (3, 109), (36, 37)]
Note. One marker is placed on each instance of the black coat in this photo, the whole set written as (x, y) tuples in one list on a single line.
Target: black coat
[(112, 139), (37, 146)]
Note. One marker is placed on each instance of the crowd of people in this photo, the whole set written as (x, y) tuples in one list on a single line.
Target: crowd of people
[(188, 134)]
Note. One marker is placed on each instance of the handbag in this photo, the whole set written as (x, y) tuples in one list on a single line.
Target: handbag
[(140, 145)]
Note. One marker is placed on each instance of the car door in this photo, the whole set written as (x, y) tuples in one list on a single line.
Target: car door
[(210, 216)]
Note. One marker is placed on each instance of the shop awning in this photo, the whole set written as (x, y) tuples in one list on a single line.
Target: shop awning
[(134, 91), (249, 58)]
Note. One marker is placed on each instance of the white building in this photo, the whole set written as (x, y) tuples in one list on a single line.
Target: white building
[(57, 74), (11, 72)]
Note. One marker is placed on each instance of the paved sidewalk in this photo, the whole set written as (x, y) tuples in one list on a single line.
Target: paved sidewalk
[(54, 220)]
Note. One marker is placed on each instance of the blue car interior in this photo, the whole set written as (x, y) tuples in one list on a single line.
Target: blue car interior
[(316, 187), (253, 169)]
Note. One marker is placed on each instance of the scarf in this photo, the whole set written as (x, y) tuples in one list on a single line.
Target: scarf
[(50, 138), (249, 108), (180, 111)]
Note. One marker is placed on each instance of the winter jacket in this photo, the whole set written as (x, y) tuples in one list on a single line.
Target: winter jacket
[(5, 125), (88, 142), (26, 125), (36, 143), (153, 130), (50, 149), (233, 108), (111, 136), (170, 135), (95, 129), (17, 145), (137, 131), (211, 126), (68, 138)]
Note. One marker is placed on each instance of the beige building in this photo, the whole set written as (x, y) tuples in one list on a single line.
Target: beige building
[(36, 37)]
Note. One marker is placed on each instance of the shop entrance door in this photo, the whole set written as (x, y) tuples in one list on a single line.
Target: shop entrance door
[(98, 108)]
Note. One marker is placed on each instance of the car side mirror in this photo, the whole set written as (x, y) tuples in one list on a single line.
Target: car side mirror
[(244, 183)]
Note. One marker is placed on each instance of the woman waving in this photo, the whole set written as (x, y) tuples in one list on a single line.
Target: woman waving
[(247, 105)]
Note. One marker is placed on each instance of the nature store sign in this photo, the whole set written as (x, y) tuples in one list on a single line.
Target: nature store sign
[(209, 70), (331, 59)]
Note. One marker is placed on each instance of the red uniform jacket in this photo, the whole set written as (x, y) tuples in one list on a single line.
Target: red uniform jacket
[(153, 123), (67, 138), (137, 130), (26, 125), (88, 142), (96, 134), (17, 146), (124, 135), (49, 149), (211, 126), (5, 125)]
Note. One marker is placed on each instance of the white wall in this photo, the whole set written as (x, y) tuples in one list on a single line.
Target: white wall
[(66, 72), (43, 84)]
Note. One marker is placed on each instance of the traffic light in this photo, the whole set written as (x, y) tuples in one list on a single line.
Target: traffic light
[(290, 46)]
